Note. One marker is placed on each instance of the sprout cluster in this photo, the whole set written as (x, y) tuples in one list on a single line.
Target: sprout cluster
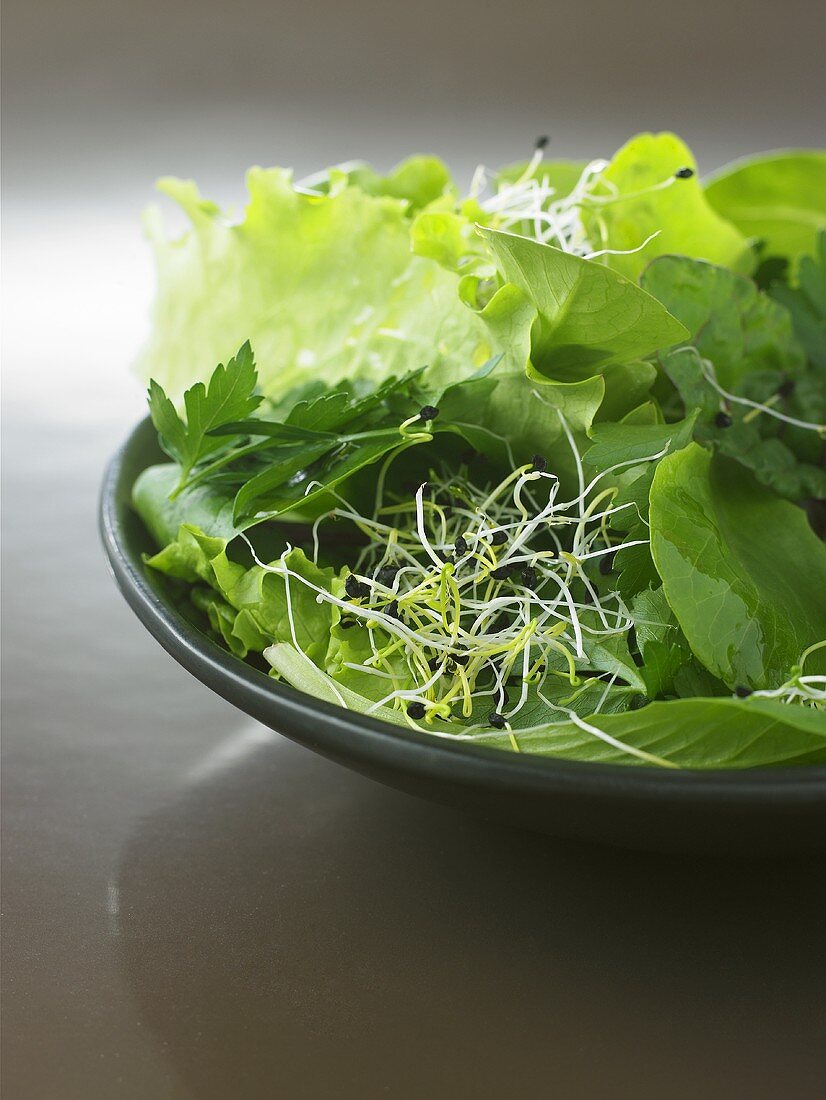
[(472, 597), (531, 207)]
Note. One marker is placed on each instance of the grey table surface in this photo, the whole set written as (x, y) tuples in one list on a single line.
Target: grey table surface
[(194, 907)]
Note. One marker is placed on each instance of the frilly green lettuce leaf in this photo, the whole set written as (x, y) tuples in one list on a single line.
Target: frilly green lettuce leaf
[(418, 181), (321, 285), (250, 609)]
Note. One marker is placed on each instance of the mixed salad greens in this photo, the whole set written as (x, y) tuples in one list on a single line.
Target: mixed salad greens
[(541, 466)]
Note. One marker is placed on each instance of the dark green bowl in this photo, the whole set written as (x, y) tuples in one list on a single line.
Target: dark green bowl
[(758, 811)]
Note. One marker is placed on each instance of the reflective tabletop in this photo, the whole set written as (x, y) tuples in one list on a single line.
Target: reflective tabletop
[(194, 907)]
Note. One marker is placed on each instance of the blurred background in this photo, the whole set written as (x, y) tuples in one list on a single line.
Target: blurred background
[(167, 864), (101, 98)]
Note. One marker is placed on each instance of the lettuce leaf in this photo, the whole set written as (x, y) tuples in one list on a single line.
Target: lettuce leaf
[(742, 571), (323, 286), (588, 316), (680, 214), (691, 733), (777, 198)]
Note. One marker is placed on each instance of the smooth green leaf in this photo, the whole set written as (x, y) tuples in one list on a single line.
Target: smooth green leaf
[(270, 493), (506, 415), (271, 429), (589, 316), (691, 733), (204, 506), (680, 214), (661, 642), (741, 569), (279, 472), (615, 443), (778, 198)]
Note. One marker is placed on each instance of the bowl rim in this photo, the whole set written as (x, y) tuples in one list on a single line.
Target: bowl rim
[(370, 740)]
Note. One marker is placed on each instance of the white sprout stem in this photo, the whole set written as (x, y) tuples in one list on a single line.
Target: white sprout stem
[(711, 378), (623, 251)]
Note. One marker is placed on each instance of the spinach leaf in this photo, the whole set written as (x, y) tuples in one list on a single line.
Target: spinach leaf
[(207, 507), (733, 324), (661, 643), (742, 571), (789, 465), (806, 302), (617, 443)]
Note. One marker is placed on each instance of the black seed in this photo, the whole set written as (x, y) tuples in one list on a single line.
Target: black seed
[(434, 663), (461, 545), (496, 720), (606, 563), (787, 388), (461, 658), (386, 575), (428, 412), (416, 710), (346, 623), (501, 573), (542, 142), (355, 588), (683, 173), (529, 577), (498, 538), (723, 420), (638, 702), (539, 463), (742, 692)]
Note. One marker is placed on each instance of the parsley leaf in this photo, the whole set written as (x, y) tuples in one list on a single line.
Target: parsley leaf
[(230, 396)]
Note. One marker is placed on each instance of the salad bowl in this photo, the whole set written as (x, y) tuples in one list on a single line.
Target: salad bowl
[(749, 811)]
